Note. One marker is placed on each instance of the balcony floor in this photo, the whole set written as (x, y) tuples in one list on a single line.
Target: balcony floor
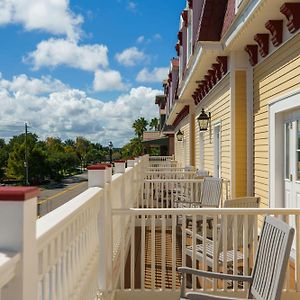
[(158, 260)]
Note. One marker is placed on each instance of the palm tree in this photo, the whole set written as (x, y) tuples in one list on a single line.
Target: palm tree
[(139, 126), (154, 124)]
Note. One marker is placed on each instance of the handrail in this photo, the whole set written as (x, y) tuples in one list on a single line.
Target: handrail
[(8, 266)]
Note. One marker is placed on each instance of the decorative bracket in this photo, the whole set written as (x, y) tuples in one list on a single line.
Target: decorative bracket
[(222, 60), (276, 28), (292, 13), (252, 50), (217, 68), (263, 43)]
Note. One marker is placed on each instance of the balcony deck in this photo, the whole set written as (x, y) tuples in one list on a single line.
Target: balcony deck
[(122, 240)]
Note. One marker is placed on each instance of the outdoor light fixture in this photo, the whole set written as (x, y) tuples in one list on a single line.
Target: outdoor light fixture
[(203, 120), (110, 146), (179, 136)]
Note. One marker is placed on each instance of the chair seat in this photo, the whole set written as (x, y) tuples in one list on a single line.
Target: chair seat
[(210, 253)]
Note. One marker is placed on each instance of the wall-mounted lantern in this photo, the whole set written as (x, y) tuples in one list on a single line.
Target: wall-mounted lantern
[(179, 136), (203, 120)]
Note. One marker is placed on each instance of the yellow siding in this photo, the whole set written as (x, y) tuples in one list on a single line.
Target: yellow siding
[(274, 77), (218, 103), (240, 133)]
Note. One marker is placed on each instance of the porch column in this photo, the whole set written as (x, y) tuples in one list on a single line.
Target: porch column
[(192, 134), (100, 176), (18, 214), (241, 124)]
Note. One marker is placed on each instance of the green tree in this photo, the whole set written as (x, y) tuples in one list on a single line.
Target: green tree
[(139, 126), (154, 124), (37, 165), (3, 157), (82, 148)]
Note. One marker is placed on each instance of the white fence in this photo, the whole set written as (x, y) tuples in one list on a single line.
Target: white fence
[(68, 249)]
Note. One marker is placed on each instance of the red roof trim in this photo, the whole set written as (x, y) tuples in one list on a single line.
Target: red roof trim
[(120, 161), (18, 193), (97, 167)]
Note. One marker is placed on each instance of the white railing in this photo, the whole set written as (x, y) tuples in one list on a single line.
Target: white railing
[(8, 269), (157, 241), (177, 189), (170, 169), (161, 158), (170, 175), (68, 249)]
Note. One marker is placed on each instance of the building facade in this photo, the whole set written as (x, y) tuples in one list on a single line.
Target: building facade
[(239, 61)]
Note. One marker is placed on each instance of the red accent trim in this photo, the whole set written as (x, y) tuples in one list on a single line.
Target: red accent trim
[(97, 167), (213, 78), (120, 161), (18, 193), (263, 43), (177, 48), (179, 35), (222, 60), (217, 68), (185, 18), (292, 13), (184, 112), (276, 28), (108, 165), (252, 50), (190, 2)]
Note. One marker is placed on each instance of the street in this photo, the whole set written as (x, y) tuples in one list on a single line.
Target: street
[(56, 195)]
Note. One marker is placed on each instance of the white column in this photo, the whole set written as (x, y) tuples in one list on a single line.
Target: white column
[(130, 162), (97, 175), (100, 176), (119, 166), (18, 214)]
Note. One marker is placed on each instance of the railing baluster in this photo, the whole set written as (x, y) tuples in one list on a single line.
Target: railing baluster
[(297, 256), (132, 252), (245, 247), (215, 251), (235, 249), (143, 234), (152, 252), (204, 256), (225, 230), (173, 252), (163, 252), (194, 229)]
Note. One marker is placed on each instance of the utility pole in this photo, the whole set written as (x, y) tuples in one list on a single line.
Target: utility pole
[(26, 156)]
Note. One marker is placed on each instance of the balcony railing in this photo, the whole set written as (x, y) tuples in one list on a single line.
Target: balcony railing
[(114, 242)]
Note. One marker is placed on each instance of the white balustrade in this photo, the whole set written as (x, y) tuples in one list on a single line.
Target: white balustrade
[(68, 249), (123, 238), (8, 270)]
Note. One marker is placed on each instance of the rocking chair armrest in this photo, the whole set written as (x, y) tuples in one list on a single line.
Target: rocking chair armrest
[(186, 270)]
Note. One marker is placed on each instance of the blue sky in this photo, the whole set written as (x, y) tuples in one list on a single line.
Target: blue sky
[(87, 68)]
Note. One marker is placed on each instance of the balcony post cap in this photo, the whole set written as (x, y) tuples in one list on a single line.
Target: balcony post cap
[(18, 193), (97, 167)]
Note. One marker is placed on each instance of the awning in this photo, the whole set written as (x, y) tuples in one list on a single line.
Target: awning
[(163, 141)]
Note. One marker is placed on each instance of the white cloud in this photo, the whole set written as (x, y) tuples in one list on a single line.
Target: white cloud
[(54, 52), (132, 6), (68, 113), (130, 57), (140, 39), (157, 36), (53, 16), (110, 80), (156, 75), (33, 86)]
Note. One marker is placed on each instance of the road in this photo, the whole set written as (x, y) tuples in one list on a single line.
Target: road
[(56, 195)]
